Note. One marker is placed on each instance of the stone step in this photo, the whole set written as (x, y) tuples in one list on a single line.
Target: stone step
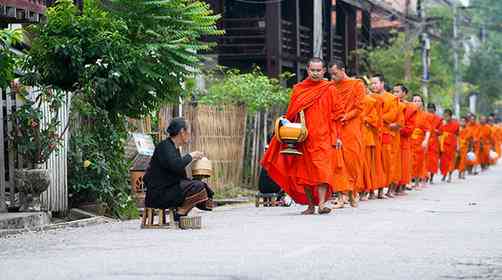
[(24, 220)]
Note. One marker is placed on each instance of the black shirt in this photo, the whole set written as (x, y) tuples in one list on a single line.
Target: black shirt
[(163, 176)]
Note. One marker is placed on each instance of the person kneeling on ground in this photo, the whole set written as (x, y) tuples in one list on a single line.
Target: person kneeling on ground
[(166, 181)]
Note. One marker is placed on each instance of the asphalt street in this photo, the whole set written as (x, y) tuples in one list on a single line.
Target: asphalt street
[(447, 231)]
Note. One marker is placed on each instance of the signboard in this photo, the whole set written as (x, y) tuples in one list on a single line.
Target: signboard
[(140, 149)]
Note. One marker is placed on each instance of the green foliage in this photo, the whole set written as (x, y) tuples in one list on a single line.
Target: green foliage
[(36, 138), (98, 169), (121, 58), (130, 56), (254, 90), (8, 59), (485, 67), (390, 61)]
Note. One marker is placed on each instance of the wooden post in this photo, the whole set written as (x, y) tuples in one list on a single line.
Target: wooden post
[(243, 146), (273, 38), (340, 29), (327, 9), (3, 206), (352, 38), (296, 38), (9, 96), (366, 28)]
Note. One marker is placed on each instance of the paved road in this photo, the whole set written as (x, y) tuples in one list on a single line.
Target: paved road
[(448, 231)]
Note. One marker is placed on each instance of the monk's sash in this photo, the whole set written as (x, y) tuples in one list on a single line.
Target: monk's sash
[(417, 134)]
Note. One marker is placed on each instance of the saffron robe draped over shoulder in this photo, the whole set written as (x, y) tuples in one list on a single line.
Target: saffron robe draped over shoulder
[(318, 163), (410, 114), (370, 123), (464, 141), (485, 143), (448, 146), (433, 150), (349, 94), (390, 156), (422, 126)]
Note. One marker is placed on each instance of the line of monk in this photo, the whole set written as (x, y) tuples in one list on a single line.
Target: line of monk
[(367, 143)]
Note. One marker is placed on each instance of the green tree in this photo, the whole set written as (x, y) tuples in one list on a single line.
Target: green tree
[(119, 58), (8, 59), (389, 60), (485, 67), (254, 90)]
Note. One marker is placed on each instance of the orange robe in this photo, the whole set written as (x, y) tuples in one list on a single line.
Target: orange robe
[(390, 155), (369, 127), (422, 126), (475, 130), (448, 146), (433, 150), (498, 140), (317, 165), (410, 114), (485, 138), (349, 94), (464, 139), (495, 143)]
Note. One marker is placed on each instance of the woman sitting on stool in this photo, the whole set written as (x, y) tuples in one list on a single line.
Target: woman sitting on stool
[(167, 185)]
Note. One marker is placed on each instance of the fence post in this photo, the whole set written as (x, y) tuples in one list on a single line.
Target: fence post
[(3, 206)]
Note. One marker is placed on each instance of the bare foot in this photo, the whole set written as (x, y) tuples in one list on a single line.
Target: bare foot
[(381, 196), (363, 197), (323, 210), (309, 211)]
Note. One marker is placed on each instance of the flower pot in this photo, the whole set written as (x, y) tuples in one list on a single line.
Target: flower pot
[(31, 183)]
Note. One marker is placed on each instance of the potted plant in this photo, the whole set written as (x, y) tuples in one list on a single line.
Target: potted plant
[(36, 137)]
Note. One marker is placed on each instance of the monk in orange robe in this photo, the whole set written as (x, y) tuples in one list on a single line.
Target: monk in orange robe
[(497, 139), (420, 142), (369, 129), (409, 115), (464, 142), (391, 157), (349, 93), (448, 144), (433, 150), (312, 177), (485, 142), (474, 126)]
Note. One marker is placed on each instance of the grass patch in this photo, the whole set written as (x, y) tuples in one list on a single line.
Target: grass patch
[(233, 192)]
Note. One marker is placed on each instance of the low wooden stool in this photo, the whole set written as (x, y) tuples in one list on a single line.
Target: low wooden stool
[(149, 221), (266, 199)]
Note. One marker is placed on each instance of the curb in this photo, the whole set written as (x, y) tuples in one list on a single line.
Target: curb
[(71, 224)]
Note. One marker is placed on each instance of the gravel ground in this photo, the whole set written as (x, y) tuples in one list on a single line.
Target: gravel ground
[(447, 231)]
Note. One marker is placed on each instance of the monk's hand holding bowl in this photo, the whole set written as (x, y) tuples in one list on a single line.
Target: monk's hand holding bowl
[(196, 155)]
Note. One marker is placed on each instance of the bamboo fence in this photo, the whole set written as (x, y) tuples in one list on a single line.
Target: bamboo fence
[(233, 139)]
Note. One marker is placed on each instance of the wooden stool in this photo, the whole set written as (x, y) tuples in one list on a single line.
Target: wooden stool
[(266, 199), (148, 220)]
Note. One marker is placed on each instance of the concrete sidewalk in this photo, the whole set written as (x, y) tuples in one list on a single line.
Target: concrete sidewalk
[(448, 231)]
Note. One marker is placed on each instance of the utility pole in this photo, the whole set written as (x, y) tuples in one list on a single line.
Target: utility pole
[(425, 50), (318, 31), (455, 62)]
